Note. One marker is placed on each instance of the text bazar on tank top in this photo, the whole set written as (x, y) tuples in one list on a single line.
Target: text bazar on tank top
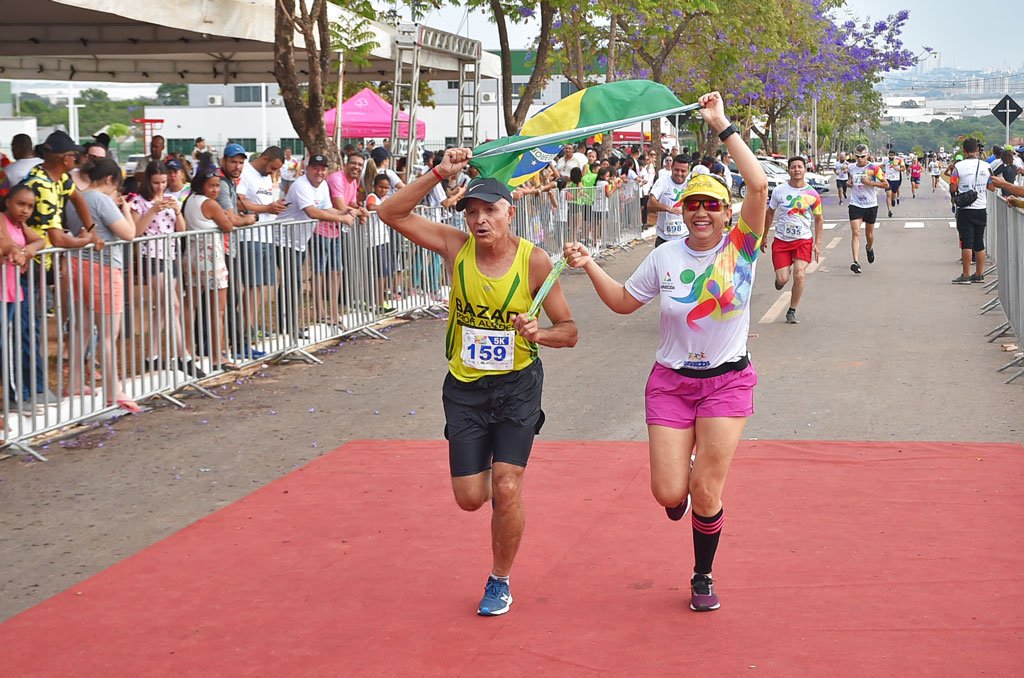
[(481, 339)]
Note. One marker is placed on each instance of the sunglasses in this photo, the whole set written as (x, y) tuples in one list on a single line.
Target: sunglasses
[(709, 204), (862, 156)]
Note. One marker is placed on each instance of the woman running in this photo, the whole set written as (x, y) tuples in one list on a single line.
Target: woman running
[(700, 391)]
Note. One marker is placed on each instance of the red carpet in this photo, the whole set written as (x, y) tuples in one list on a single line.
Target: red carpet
[(838, 559)]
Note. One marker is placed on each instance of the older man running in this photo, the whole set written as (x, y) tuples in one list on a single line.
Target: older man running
[(492, 393)]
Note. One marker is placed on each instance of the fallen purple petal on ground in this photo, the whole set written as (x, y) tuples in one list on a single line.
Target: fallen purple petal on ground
[(273, 412), (203, 421), (312, 410), (376, 411), (412, 412)]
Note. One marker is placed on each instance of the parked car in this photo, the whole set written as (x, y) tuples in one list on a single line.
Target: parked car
[(818, 181), (774, 179), (774, 174), (132, 164)]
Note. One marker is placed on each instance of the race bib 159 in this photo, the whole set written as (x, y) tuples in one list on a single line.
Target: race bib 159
[(488, 349)]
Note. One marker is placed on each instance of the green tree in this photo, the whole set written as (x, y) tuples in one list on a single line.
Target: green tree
[(504, 12), (172, 94), (321, 41)]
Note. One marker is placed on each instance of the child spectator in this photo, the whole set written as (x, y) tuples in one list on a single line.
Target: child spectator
[(379, 241)]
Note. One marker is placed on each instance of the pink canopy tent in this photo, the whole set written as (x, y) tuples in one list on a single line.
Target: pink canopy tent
[(365, 114)]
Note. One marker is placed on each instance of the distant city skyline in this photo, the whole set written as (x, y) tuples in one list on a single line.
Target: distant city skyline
[(929, 25)]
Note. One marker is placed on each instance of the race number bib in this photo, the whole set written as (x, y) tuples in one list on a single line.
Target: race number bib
[(488, 349), (791, 230), (674, 225)]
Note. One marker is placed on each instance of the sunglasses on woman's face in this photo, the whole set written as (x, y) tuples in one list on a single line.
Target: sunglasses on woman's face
[(709, 204)]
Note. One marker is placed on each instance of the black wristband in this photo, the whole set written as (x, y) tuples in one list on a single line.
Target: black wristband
[(727, 132)]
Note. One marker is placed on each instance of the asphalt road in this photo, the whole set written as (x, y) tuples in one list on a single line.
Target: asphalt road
[(897, 353)]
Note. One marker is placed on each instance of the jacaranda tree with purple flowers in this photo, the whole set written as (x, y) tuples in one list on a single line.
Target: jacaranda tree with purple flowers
[(772, 60)]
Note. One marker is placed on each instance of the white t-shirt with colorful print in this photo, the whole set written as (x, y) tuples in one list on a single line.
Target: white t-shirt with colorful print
[(795, 209), (705, 298), (669, 193), (861, 195)]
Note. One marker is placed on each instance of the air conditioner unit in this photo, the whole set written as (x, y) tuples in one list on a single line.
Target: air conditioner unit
[(215, 100), (274, 102), (488, 97)]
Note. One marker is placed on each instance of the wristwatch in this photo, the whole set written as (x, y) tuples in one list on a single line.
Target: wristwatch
[(727, 132)]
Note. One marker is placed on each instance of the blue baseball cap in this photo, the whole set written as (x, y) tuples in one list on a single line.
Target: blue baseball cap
[(231, 150)]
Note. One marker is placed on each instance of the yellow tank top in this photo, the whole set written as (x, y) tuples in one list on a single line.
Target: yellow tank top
[(481, 339)]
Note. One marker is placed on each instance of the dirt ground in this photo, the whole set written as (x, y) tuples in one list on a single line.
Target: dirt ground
[(895, 354)]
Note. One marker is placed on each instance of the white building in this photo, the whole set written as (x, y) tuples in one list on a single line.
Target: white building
[(224, 114), (919, 109)]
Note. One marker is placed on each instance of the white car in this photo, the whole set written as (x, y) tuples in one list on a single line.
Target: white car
[(818, 182), (132, 164)]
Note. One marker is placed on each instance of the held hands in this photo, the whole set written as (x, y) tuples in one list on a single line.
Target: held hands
[(455, 160), (528, 329), (576, 255)]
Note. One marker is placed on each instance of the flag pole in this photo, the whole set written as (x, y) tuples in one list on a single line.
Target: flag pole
[(530, 143)]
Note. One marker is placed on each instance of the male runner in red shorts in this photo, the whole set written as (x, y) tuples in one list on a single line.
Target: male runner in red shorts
[(794, 244)]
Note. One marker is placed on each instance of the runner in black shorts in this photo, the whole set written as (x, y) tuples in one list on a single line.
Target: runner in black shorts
[(865, 178), (842, 176), (492, 393)]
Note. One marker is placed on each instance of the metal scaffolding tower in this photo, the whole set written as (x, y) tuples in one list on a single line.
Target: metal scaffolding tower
[(410, 40), (469, 102), (405, 89)]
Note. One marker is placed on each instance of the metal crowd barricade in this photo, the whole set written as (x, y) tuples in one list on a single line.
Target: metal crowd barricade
[(1008, 230), (578, 214), (154, 317)]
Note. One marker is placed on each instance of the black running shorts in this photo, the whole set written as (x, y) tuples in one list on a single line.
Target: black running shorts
[(492, 419), (869, 215), (970, 226)]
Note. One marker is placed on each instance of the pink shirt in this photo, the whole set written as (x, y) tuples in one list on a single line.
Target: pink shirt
[(12, 285), (340, 187), (164, 222)]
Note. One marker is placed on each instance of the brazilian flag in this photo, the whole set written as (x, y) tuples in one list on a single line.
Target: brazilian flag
[(578, 116)]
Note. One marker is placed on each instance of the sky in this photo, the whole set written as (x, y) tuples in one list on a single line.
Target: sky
[(932, 23)]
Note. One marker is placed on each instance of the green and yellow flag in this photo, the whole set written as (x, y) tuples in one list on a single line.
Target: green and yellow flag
[(515, 159)]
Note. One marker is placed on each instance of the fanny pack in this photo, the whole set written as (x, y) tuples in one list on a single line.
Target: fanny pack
[(719, 370)]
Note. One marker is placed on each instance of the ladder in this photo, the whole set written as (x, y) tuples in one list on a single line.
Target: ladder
[(405, 91), (469, 102)]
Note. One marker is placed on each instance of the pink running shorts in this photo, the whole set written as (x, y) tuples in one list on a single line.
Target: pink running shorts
[(676, 401)]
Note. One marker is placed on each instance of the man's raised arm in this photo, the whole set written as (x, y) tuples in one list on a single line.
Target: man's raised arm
[(397, 211)]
